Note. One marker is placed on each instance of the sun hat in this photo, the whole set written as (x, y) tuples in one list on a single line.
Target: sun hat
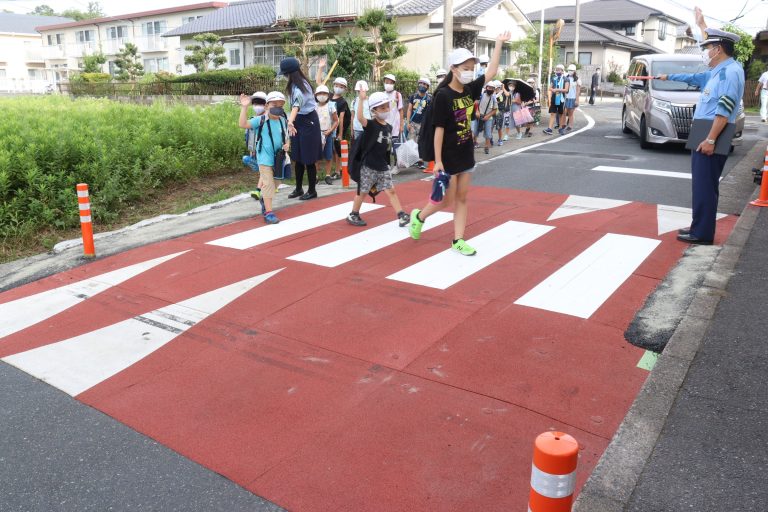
[(377, 99), (289, 65), (460, 56), (322, 89), (390, 76), (275, 96), (259, 95), (572, 67), (340, 81), (361, 85), (424, 80)]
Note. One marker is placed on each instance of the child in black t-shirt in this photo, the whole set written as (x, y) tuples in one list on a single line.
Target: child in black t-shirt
[(453, 105), (376, 149)]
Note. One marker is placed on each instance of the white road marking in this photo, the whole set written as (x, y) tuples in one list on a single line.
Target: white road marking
[(77, 364), (21, 313), (576, 205), (288, 227), (671, 218), (581, 286), (645, 172), (449, 267), (355, 246)]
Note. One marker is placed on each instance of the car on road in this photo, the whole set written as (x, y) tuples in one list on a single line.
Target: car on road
[(661, 112)]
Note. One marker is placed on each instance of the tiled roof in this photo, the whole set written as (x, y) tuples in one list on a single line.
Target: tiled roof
[(592, 34), (416, 7), (599, 11), (476, 8), (26, 23), (238, 15), (133, 15)]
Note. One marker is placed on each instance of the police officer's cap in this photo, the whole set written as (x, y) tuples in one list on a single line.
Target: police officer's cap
[(716, 36)]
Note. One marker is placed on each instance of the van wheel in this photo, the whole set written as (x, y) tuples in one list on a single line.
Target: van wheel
[(624, 128), (644, 144)]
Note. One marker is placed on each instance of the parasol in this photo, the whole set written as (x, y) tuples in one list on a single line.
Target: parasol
[(522, 87)]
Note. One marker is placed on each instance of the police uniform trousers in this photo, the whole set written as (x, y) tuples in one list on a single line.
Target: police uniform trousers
[(706, 172)]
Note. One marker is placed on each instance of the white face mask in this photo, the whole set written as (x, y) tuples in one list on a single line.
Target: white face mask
[(338, 90), (705, 57), (382, 115), (322, 98), (466, 76), (258, 109), (389, 87)]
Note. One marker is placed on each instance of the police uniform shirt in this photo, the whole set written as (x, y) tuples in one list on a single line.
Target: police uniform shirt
[(721, 90)]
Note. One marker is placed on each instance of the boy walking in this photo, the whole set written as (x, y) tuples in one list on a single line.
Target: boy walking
[(485, 114), (417, 103)]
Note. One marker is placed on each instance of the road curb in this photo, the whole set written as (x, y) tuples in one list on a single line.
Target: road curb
[(612, 482)]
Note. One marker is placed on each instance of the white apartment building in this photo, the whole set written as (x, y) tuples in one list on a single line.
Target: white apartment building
[(22, 67), (65, 44)]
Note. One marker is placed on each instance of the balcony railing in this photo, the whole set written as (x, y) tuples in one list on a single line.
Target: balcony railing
[(34, 54), (78, 50), (152, 43), (57, 51), (113, 46), (287, 9)]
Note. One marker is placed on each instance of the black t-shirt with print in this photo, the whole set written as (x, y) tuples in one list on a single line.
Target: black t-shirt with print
[(418, 104), (378, 144), (453, 111), (343, 106)]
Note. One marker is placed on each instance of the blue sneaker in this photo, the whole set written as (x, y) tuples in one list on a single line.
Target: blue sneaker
[(271, 218)]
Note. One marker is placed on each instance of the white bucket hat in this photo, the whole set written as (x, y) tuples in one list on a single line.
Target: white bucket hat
[(275, 96), (377, 99)]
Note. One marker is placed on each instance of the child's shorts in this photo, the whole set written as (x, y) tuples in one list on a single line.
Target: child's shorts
[(499, 120), (327, 153), (267, 181), (370, 177)]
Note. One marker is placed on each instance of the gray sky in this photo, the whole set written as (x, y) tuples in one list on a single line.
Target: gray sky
[(754, 20)]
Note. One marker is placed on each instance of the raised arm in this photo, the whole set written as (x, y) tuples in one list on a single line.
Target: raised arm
[(361, 95), (493, 65), (245, 102)]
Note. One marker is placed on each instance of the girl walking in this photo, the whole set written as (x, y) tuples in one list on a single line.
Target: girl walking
[(454, 154)]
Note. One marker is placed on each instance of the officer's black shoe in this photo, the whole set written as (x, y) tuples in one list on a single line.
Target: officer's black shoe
[(684, 231), (689, 238)]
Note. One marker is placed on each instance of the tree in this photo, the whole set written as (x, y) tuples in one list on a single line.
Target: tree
[(209, 50), (94, 11), (299, 41), (43, 10), (745, 47), (384, 44), (756, 69), (92, 63), (527, 51), (354, 60), (128, 63)]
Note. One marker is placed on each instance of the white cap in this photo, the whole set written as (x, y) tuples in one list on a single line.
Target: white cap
[(361, 85), (275, 96), (441, 72), (323, 89), (390, 76), (572, 67), (260, 95), (377, 99), (559, 66), (460, 56), (340, 81), (484, 59), (424, 80)]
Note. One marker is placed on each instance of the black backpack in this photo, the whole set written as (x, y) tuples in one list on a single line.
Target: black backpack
[(356, 158)]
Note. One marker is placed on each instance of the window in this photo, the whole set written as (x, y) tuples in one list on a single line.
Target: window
[(270, 54), (2, 73), (662, 29), (629, 30), (35, 74), (155, 65), (190, 19), (55, 39), (85, 36), (118, 32), (112, 68), (234, 57), (585, 58), (153, 28)]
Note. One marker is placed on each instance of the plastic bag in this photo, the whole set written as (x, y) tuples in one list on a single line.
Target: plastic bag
[(407, 154)]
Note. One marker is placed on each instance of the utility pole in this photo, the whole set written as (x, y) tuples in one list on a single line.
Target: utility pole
[(447, 30), (541, 51), (576, 36)]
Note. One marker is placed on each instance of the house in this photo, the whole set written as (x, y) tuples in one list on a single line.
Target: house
[(22, 62), (637, 28), (256, 27), (65, 44)]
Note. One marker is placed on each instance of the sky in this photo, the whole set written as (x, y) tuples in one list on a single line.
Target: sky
[(755, 19)]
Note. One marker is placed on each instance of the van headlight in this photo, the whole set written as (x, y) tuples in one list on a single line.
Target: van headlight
[(664, 106)]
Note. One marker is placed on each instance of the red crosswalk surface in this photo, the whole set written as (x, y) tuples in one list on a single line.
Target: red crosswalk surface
[(329, 367)]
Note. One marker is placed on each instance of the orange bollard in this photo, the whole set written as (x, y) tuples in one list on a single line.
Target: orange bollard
[(553, 475), (763, 199), (86, 226), (345, 163), (430, 167)]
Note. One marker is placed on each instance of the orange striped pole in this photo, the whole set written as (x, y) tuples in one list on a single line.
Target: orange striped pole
[(430, 167), (553, 473), (86, 226), (345, 163), (763, 199)]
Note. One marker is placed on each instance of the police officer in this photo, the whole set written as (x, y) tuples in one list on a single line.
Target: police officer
[(722, 89)]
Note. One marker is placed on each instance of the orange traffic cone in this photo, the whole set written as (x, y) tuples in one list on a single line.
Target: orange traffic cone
[(430, 167), (763, 199), (553, 475)]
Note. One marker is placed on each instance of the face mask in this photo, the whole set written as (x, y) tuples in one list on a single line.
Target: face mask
[(422, 89), (706, 58), (440, 78), (389, 87), (489, 91), (382, 115), (258, 109), (276, 111), (466, 76), (338, 90), (322, 98), (559, 73)]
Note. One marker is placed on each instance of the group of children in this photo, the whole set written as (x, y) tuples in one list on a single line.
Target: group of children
[(378, 122), (564, 100), (496, 109)]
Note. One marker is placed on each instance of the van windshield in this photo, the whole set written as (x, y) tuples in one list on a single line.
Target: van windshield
[(670, 67)]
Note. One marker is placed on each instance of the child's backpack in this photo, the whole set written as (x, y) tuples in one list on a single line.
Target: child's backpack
[(252, 137), (356, 157)]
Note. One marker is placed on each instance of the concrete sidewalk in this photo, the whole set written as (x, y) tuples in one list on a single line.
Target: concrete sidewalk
[(695, 439)]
